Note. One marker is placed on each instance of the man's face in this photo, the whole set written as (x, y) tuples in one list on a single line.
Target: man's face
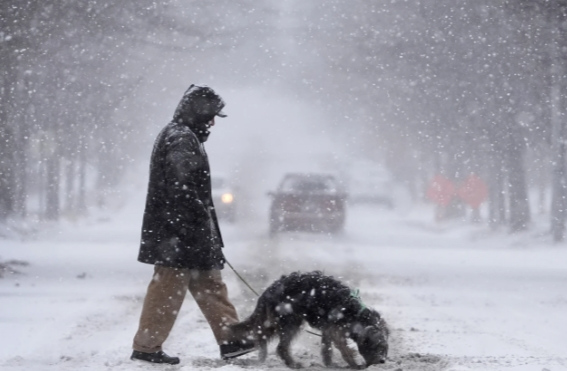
[(209, 124), (202, 128)]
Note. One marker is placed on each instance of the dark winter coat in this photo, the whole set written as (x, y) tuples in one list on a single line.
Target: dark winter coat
[(180, 227)]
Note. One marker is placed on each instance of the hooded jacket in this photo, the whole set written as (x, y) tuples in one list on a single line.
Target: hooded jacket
[(180, 227)]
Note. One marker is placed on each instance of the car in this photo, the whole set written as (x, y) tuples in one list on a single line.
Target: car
[(309, 202), (224, 198)]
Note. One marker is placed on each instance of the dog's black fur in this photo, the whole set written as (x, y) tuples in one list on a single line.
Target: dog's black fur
[(326, 304)]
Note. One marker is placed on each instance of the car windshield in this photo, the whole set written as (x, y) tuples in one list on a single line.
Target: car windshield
[(309, 185)]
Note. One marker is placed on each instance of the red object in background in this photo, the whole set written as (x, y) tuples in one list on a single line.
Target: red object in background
[(473, 191), (441, 190)]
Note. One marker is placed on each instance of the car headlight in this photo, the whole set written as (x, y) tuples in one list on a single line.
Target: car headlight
[(227, 198)]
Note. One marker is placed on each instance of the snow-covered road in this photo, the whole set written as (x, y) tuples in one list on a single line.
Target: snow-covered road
[(455, 297)]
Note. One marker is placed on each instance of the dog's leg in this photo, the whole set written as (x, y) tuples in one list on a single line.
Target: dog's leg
[(263, 354), (268, 332), (287, 332), (327, 348), (348, 354)]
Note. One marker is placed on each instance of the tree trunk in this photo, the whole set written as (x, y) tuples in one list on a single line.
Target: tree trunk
[(7, 86), (81, 198), (496, 199), (70, 197), (518, 195), (558, 182), (7, 181), (21, 176), (52, 204), (20, 149), (559, 194)]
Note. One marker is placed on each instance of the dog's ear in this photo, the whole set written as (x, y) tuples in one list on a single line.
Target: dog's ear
[(384, 327), (361, 333), (368, 331), (371, 333)]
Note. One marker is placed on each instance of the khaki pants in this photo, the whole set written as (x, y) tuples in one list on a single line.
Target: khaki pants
[(165, 296)]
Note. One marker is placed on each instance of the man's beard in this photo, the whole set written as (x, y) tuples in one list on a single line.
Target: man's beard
[(202, 131), (203, 136)]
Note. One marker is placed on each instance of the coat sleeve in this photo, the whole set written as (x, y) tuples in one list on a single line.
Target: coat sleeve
[(184, 161)]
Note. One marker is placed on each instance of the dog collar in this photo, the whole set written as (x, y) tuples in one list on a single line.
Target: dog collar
[(355, 294)]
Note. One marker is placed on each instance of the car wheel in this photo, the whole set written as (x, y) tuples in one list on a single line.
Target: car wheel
[(336, 226)]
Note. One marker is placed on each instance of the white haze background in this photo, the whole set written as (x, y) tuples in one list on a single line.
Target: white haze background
[(456, 296)]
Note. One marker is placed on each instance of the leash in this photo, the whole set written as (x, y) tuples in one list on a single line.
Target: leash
[(241, 278), (254, 291)]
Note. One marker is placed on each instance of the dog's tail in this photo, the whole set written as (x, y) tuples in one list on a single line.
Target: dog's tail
[(256, 326)]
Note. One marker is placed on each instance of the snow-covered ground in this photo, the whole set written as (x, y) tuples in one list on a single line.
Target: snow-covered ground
[(455, 296)]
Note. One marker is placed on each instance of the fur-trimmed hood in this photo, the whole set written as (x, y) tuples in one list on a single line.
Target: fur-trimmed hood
[(199, 105)]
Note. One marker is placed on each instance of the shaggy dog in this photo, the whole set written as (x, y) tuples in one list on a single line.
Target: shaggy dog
[(325, 304)]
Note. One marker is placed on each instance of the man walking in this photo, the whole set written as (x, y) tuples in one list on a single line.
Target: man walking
[(181, 235)]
